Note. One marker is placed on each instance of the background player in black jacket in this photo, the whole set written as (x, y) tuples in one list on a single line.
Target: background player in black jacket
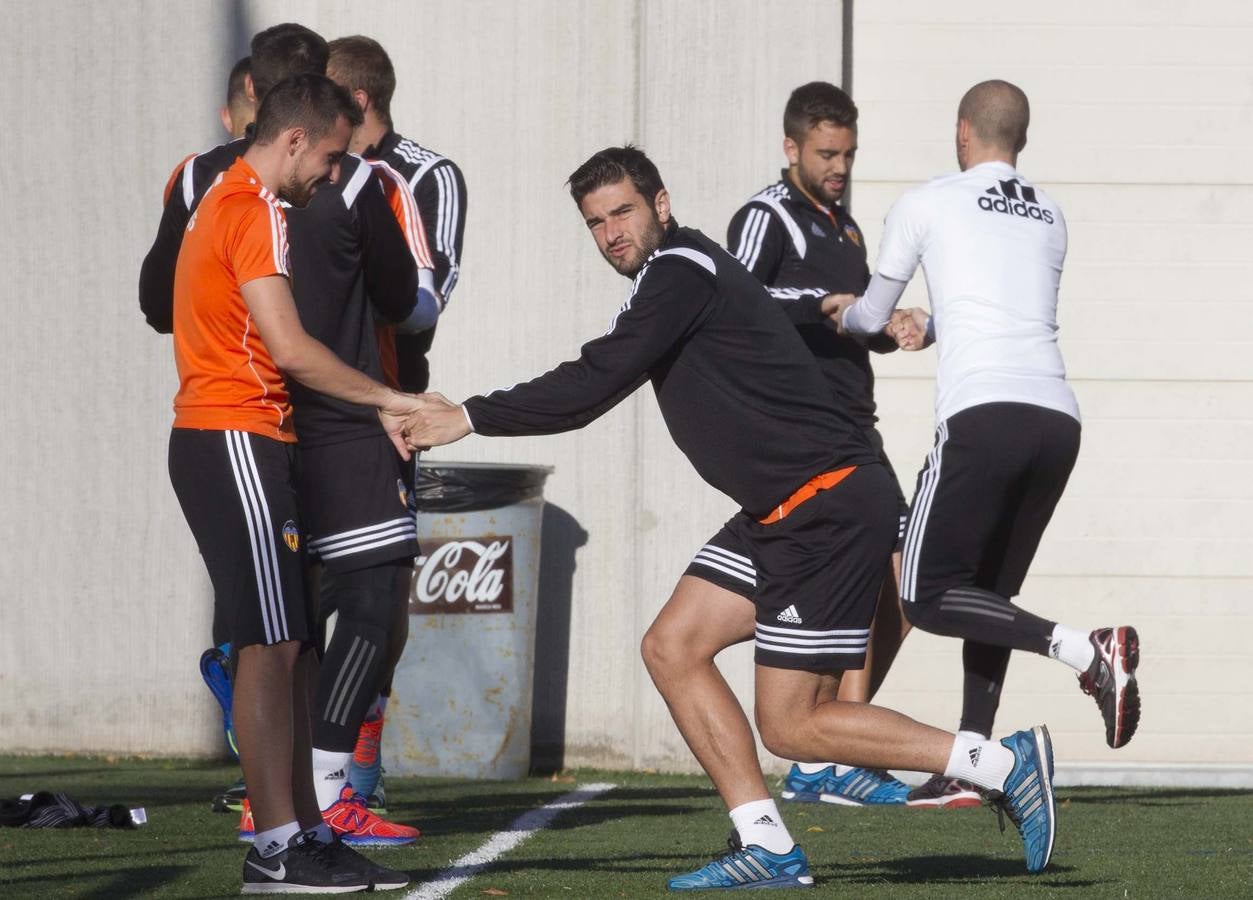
[(797, 239), (362, 66), (747, 405), (350, 259)]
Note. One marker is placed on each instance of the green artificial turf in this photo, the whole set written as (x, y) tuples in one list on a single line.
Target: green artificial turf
[(1111, 842)]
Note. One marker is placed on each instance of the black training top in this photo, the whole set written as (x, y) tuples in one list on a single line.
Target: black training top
[(440, 192), (740, 395), (802, 252)]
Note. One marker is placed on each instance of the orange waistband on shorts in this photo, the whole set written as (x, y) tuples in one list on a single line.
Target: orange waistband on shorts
[(807, 491)]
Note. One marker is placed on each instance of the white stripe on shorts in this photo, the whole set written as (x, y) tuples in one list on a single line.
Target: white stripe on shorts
[(260, 535), (807, 642), (921, 508), (369, 537)]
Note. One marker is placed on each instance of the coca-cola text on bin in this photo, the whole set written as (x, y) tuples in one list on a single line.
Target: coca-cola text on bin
[(463, 575)]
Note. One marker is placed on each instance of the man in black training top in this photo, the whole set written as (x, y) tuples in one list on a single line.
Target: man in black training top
[(799, 242), (748, 406)]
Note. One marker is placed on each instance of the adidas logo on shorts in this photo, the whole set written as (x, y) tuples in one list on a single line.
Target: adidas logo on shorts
[(791, 616), (1006, 200)]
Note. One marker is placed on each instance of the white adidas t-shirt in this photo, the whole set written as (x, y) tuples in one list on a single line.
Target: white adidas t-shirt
[(991, 247)]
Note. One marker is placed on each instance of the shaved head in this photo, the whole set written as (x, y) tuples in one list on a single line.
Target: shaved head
[(999, 114)]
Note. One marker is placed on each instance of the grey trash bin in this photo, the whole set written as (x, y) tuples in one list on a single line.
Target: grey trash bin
[(461, 698)]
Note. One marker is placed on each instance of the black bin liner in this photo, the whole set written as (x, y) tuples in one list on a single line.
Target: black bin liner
[(468, 488)]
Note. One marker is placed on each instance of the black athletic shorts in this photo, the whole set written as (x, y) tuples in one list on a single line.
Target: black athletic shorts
[(237, 491), (813, 576), (357, 501), (724, 560), (984, 498), (902, 507)]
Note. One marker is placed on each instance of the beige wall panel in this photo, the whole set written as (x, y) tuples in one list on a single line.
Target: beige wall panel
[(1104, 83), (105, 610)]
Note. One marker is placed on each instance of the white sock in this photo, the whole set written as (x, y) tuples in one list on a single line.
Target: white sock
[(841, 771), (759, 823), (274, 840), (985, 763), (330, 774), (1072, 647), (812, 768), (973, 736), (322, 833)]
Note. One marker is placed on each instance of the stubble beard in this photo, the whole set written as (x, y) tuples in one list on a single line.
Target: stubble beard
[(816, 190), (649, 242)]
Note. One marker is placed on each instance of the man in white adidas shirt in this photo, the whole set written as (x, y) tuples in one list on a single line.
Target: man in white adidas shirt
[(991, 246)]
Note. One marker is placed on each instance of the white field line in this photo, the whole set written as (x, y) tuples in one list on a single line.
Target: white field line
[(463, 869)]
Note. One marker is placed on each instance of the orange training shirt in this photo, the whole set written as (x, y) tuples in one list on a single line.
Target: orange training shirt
[(227, 380)]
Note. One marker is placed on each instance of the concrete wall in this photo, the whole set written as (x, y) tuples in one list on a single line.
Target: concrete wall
[(105, 606)]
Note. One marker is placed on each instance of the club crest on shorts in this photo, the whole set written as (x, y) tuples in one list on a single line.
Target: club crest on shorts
[(291, 536), (403, 492), (853, 234)]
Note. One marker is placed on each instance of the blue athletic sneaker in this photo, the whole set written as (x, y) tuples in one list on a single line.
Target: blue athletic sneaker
[(857, 787), (748, 867), (1028, 796), (215, 669)]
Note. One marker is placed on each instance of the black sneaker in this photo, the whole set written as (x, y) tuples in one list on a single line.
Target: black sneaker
[(305, 867), (349, 860), (1111, 680), (945, 793)]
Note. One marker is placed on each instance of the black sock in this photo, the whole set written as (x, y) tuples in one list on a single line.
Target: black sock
[(985, 667)]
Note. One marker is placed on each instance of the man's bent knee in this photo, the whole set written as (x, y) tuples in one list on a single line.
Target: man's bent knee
[(665, 651)]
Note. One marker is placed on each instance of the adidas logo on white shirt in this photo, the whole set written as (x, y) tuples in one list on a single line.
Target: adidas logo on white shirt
[(791, 616), (1006, 200)]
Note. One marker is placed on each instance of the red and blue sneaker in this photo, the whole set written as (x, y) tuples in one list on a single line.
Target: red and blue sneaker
[(358, 827), (1111, 680)]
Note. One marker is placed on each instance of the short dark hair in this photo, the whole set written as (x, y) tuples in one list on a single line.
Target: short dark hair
[(814, 103), (610, 166), (283, 51), (312, 102), (999, 112), (235, 92), (361, 64)]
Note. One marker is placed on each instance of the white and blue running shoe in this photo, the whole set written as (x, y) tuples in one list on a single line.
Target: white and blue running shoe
[(1028, 797), (748, 867), (857, 787)]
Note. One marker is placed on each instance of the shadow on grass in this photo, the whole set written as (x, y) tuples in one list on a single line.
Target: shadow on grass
[(948, 869), (127, 882), (1153, 797), (485, 812), (937, 870)]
